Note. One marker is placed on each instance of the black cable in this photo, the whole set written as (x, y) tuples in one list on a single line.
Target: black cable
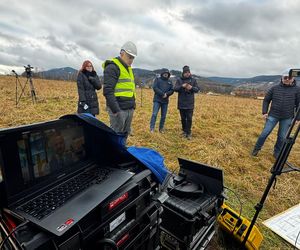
[(165, 186), (296, 240), (11, 233), (239, 200), (241, 207)]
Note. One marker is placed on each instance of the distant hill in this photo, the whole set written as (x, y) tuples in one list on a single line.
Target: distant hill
[(66, 73), (240, 81), (227, 80), (253, 86)]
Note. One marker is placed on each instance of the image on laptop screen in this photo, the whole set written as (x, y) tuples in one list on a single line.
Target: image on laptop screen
[(24, 158), (64, 147), (47, 152), (38, 155)]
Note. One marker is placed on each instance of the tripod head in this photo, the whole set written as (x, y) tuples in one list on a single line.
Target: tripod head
[(28, 71), (16, 74)]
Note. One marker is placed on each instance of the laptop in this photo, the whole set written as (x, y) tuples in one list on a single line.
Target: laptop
[(48, 176)]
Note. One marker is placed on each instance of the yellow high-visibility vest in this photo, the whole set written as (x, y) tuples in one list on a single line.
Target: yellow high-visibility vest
[(125, 86)]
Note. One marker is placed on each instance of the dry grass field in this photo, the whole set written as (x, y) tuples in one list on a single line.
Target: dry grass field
[(224, 131)]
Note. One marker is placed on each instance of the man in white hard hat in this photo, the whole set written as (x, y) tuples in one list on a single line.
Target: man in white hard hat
[(119, 88), (285, 99)]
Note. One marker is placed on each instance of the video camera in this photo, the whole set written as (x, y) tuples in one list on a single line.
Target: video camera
[(294, 73), (28, 70)]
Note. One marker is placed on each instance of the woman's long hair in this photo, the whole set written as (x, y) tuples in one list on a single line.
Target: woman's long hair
[(86, 63)]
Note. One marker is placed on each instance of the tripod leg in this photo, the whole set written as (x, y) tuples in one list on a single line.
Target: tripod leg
[(32, 91), (16, 91), (22, 91), (33, 96)]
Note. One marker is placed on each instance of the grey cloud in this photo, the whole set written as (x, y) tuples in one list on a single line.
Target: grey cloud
[(65, 46), (12, 39), (54, 42), (235, 37), (243, 20)]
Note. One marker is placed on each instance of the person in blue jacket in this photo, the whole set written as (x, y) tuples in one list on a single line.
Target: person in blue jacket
[(163, 89)]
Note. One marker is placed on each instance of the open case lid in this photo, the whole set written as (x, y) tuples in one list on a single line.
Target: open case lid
[(210, 177)]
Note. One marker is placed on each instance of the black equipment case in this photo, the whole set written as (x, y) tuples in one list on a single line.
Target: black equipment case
[(135, 216), (129, 218), (189, 214)]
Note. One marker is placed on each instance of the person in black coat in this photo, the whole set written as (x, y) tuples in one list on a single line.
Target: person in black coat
[(284, 99), (186, 86), (163, 89), (87, 83)]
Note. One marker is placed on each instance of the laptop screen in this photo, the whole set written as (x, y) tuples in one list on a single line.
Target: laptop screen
[(40, 155), (46, 152)]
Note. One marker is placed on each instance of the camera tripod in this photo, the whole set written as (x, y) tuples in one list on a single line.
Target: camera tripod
[(32, 90), (278, 168)]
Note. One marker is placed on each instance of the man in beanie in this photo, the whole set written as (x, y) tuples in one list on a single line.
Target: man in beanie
[(163, 89), (186, 86), (285, 99)]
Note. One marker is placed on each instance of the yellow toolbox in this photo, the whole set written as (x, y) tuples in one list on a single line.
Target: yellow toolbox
[(231, 222)]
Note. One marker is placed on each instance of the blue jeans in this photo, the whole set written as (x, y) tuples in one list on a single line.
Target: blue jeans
[(270, 124), (164, 110)]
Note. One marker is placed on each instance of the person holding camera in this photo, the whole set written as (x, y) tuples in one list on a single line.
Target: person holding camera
[(186, 86), (87, 84), (284, 99)]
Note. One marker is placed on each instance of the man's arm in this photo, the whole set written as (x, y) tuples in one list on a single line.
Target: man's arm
[(156, 88), (179, 86), (195, 88), (267, 100), (111, 75), (171, 90)]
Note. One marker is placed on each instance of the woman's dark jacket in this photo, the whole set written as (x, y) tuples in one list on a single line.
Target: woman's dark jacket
[(162, 86), (186, 99), (285, 100), (87, 83)]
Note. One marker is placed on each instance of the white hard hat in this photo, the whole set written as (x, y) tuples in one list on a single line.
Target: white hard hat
[(286, 72), (130, 48)]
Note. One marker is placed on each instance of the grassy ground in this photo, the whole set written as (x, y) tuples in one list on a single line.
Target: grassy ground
[(224, 131)]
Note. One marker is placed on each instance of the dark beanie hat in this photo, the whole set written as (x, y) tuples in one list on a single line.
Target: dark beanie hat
[(186, 69)]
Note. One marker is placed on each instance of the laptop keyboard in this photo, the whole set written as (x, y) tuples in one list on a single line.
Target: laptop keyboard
[(48, 202)]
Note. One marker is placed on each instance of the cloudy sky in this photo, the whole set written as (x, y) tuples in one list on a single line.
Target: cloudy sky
[(215, 38)]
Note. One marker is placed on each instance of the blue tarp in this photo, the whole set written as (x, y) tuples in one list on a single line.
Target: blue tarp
[(151, 159)]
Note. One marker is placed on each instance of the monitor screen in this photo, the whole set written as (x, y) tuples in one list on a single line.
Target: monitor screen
[(47, 152), (36, 155)]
